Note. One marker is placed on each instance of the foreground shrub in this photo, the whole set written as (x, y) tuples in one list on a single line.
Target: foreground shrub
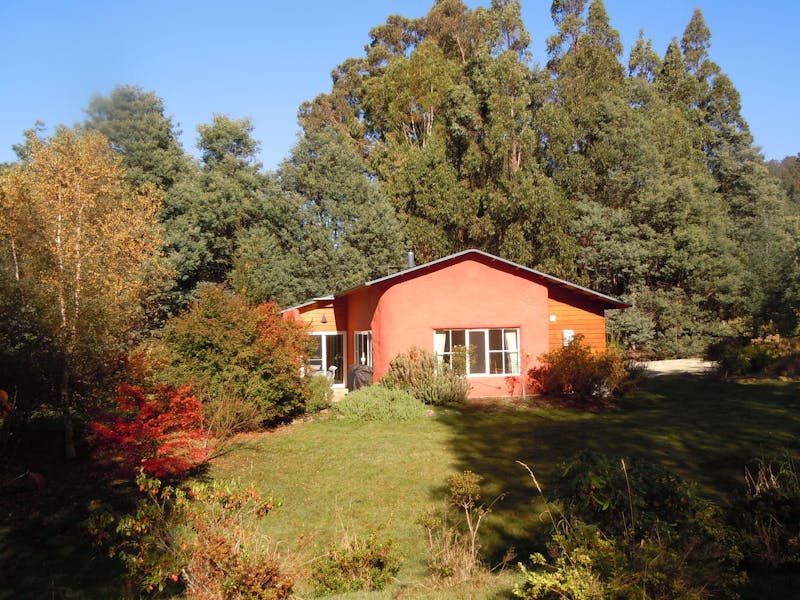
[(160, 432), (378, 403), (453, 534), (768, 512), (197, 538), (357, 564), (577, 371), (637, 530), (740, 356), (320, 393), (423, 376), (231, 351)]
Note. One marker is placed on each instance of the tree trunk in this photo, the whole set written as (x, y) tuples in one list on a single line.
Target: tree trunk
[(69, 431)]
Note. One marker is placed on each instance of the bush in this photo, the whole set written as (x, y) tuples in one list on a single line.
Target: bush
[(452, 536), (740, 356), (577, 371), (197, 538), (357, 564), (420, 374), (377, 403), (160, 432), (768, 512), (319, 393), (642, 530), (229, 350)]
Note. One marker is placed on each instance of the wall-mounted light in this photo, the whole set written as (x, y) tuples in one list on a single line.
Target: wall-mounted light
[(552, 318), (324, 319)]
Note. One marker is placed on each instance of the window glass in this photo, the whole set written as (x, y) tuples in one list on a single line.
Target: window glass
[(477, 351), (490, 351)]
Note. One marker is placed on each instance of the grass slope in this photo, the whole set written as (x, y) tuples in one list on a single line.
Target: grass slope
[(338, 475)]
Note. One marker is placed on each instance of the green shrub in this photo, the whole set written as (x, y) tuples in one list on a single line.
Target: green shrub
[(453, 540), (230, 351), (320, 393), (768, 512), (740, 356), (357, 564), (198, 538), (423, 376), (378, 403), (663, 540), (579, 372)]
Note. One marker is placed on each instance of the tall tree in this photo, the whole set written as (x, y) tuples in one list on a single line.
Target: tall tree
[(87, 252), (135, 123), (213, 203)]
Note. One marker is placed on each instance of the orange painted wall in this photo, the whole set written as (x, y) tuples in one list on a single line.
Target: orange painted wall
[(576, 312), (465, 294)]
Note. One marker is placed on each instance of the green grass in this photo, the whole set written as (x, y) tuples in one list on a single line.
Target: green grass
[(336, 474)]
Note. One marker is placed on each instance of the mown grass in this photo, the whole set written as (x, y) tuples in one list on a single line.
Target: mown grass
[(334, 475), (337, 474)]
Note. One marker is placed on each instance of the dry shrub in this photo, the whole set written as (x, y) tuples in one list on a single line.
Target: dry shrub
[(579, 372)]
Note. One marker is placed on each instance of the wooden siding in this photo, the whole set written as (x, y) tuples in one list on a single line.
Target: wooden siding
[(573, 312), (313, 316)]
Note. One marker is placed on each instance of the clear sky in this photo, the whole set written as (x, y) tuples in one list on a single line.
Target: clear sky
[(263, 58)]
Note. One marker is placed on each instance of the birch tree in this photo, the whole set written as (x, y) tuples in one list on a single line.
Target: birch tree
[(84, 248)]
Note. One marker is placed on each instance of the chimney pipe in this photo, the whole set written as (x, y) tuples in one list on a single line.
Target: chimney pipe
[(410, 258)]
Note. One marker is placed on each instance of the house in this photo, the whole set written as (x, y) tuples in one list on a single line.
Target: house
[(505, 313)]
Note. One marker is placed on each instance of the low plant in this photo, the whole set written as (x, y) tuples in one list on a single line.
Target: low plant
[(378, 403), (426, 378), (160, 431), (198, 538), (579, 372), (771, 354), (320, 393), (637, 531), (768, 512), (453, 534), (357, 563)]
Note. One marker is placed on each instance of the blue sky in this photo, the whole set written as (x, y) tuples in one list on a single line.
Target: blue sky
[(262, 59)]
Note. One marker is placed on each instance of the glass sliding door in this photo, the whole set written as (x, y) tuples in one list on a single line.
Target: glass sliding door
[(328, 356)]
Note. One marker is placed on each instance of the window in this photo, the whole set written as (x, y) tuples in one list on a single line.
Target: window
[(328, 356), (479, 351), (363, 348), (568, 336)]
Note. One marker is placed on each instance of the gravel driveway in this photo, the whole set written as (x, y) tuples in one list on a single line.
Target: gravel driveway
[(695, 366)]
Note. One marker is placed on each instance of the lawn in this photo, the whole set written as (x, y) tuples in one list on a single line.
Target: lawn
[(333, 475)]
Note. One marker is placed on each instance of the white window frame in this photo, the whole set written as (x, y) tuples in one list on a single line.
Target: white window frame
[(325, 365), (368, 354), (507, 369)]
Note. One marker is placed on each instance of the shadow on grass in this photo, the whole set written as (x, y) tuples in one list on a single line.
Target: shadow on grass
[(45, 550), (703, 429)]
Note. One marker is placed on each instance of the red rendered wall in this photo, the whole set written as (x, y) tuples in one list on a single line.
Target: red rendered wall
[(469, 293)]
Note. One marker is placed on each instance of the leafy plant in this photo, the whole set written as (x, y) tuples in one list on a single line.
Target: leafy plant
[(319, 393), (358, 563), (577, 371), (423, 376), (768, 512), (452, 536), (642, 530), (161, 431), (230, 350), (378, 403), (198, 538)]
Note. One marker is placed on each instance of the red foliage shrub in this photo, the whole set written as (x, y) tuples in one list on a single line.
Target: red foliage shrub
[(162, 431)]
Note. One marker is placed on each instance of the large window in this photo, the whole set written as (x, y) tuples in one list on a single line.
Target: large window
[(328, 356), (479, 351)]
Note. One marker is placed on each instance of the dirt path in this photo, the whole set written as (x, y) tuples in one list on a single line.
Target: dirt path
[(696, 366)]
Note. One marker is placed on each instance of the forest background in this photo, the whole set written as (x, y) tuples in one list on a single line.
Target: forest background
[(633, 173)]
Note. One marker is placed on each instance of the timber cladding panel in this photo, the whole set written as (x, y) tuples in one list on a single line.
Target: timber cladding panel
[(314, 314), (575, 313)]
